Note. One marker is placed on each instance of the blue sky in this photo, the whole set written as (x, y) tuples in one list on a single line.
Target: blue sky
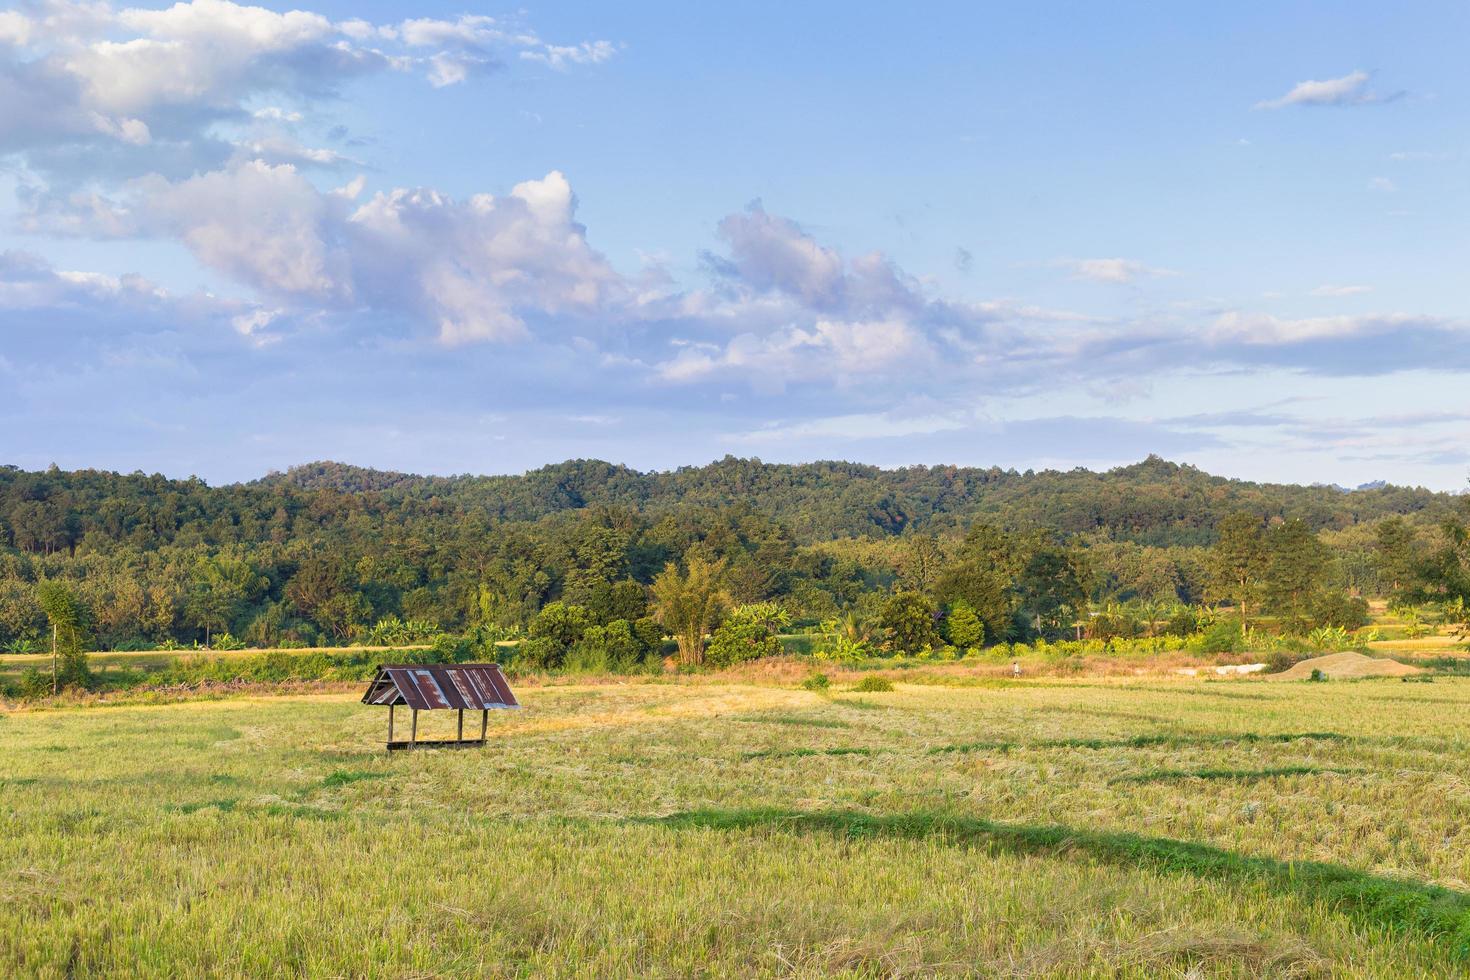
[(472, 239)]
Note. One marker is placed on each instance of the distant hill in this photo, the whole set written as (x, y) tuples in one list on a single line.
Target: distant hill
[(1152, 502), (342, 477)]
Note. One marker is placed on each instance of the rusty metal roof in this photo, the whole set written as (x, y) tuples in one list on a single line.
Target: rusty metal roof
[(426, 687)]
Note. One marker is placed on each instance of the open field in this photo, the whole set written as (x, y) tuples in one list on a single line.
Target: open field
[(1038, 828)]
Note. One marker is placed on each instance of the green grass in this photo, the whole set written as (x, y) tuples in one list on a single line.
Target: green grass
[(1140, 741), (704, 829), (1243, 775)]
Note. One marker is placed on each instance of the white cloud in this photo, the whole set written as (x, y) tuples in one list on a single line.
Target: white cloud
[(560, 55), (1382, 184), (470, 268), (1115, 270), (282, 149), (264, 225), (277, 114), (1331, 290), (1350, 89), (85, 76), (832, 350), (1264, 329), (15, 27)]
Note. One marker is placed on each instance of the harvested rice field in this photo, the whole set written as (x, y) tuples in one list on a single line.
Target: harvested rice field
[(1082, 827)]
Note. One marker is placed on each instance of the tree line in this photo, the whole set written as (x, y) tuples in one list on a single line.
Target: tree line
[(587, 561)]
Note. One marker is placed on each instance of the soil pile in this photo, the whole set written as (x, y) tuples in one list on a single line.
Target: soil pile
[(1337, 666)]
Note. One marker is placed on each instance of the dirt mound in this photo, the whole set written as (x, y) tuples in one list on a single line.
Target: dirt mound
[(1341, 665)]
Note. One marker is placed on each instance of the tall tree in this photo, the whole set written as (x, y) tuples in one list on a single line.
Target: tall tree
[(1295, 571), (908, 622), (1443, 576), (921, 561), (964, 628), (220, 588), (983, 575), (1049, 586), (689, 604), (1397, 553), (1237, 563)]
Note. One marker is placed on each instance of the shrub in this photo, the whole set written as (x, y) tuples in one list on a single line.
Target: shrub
[(614, 647), (561, 623), (224, 641), (1222, 637), (1182, 621), (845, 640), (873, 684), (817, 682), (1317, 675), (1330, 638), (1111, 625), (1280, 660), (34, 684), (962, 627), (748, 633), (539, 653), (1340, 610)]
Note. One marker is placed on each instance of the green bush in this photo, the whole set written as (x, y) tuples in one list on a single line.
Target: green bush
[(1112, 625), (1340, 610), (1282, 660), (748, 633), (817, 682), (34, 684), (873, 684), (1182, 621), (1221, 637), (615, 647), (962, 627), (539, 653), (908, 622)]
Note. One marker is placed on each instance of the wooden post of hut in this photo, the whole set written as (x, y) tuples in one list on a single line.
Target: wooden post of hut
[(433, 687)]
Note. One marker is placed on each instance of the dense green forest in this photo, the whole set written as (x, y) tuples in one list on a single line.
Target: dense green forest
[(327, 554)]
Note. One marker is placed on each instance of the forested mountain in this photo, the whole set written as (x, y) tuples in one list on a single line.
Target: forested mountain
[(322, 550), (1154, 502)]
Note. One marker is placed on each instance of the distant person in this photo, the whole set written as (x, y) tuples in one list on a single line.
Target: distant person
[(1015, 668)]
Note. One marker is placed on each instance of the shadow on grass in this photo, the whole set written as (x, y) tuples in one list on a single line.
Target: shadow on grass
[(1142, 742), (1391, 903), (780, 718), (800, 753), (1235, 775)]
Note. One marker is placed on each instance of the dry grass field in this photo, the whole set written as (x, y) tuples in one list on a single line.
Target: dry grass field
[(1047, 827)]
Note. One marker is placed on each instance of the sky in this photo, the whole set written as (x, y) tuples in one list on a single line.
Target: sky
[(443, 238)]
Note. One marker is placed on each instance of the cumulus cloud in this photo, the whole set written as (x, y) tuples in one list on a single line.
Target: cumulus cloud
[(469, 268), (1350, 89), (769, 254), (87, 76), (31, 285)]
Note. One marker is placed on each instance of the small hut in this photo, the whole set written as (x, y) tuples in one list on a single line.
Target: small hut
[(438, 687)]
